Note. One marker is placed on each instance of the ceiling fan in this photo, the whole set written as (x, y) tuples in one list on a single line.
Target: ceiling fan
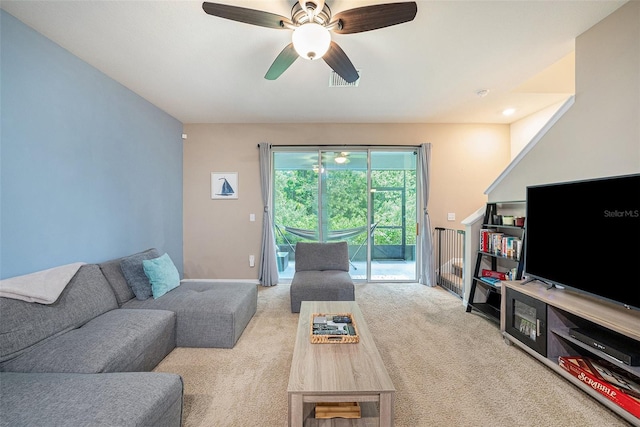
[(342, 157), (312, 22)]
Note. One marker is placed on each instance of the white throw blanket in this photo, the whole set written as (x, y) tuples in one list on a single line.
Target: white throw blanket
[(43, 287)]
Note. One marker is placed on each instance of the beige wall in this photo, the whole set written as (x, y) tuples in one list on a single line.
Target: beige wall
[(600, 135), (524, 130), (218, 236)]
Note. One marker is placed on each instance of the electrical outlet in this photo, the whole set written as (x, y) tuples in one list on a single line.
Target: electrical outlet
[(252, 261), (451, 216)]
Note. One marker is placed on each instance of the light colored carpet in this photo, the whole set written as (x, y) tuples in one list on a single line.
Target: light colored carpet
[(449, 368)]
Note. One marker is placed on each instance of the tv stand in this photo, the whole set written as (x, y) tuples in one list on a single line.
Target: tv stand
[(561, 310)]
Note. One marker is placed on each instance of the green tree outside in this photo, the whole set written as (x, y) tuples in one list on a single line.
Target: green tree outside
[(296, 202)]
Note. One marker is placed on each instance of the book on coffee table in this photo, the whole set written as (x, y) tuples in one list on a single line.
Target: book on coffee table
[(338, 410)]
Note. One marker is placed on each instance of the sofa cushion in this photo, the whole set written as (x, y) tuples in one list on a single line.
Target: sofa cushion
[(209, 314), (116, 341), (113, 273), (70, 400), (162, 274), (134, 273), (24, 324), (322, 256)]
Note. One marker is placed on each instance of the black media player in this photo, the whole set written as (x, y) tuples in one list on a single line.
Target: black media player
[(612, 343)]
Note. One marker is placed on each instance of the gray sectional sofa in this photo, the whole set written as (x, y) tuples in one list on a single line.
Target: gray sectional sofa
[(85, 359)]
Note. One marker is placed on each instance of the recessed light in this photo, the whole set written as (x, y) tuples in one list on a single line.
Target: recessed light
[(508, 111)]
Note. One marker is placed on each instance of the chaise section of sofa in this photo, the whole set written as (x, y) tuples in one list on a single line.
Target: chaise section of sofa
[(208, 314), (71, 400)]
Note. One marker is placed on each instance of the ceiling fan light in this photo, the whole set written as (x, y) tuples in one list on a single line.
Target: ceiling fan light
[(340, 159), (311, 40)]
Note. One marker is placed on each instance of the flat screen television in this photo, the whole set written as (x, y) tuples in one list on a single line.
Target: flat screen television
[(585, 235)]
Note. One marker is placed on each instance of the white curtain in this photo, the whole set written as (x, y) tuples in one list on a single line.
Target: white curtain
[(268, 262), (427, 270)]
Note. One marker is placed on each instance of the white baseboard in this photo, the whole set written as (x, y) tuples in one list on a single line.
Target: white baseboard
[(223, 280)]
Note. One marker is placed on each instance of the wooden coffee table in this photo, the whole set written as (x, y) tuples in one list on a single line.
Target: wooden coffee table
[(338, 373)]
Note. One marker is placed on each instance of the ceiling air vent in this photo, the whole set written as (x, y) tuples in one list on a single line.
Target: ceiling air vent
[(336, 81)]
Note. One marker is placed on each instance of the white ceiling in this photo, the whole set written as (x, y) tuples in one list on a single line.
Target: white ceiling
[(204, 69)]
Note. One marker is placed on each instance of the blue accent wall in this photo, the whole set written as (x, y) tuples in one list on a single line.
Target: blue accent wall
[(89, 171)]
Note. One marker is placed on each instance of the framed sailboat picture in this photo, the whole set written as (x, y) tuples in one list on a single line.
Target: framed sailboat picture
[(224, 185)]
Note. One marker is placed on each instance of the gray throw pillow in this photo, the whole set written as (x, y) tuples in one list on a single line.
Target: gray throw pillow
[(133, 272)]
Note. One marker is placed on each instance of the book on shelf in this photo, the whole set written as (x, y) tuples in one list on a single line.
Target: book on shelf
[(617, 385), (499, 244), (495, 274), (484, 239), (496, 244), (490, 280), (509, 246)]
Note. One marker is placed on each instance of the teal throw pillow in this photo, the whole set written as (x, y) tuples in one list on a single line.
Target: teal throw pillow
[(162, 274)]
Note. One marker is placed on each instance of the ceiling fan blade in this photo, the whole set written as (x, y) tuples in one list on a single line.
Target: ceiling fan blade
[(248, 16), (369, 18), (340, 63), (282, 62)]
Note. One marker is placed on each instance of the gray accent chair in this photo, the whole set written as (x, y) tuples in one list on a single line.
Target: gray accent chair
[(322, 274)]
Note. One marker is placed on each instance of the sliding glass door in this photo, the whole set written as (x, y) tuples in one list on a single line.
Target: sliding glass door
[(393, 213), (366, 197)]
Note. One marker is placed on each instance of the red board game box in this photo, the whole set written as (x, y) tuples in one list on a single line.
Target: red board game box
[(495, 274), (618, 386)]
